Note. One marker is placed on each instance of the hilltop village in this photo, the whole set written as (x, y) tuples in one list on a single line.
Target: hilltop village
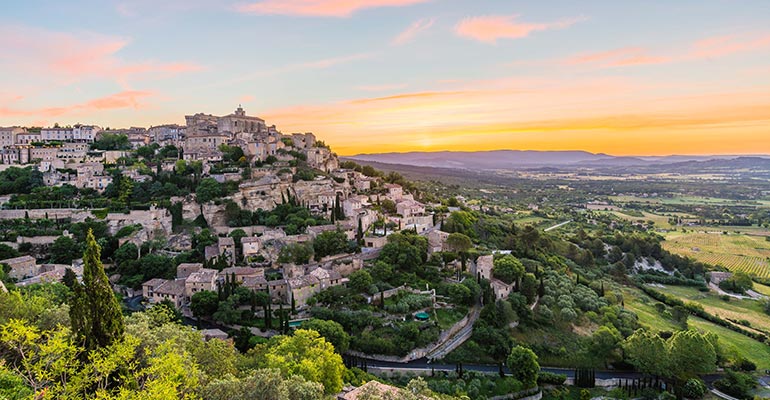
[(242, 171)]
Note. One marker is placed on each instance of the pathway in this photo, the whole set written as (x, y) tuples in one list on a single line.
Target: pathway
[(557, 226)]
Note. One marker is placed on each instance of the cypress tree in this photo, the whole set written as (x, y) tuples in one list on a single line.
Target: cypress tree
[(96, 317), (360, 233)]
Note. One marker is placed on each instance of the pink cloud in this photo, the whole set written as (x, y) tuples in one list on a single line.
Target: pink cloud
[(74, 57), (413, 30), (125, 99), (709, 48), (618, 57), (318, 8), (490, 28), (246, 98), (721, 46)]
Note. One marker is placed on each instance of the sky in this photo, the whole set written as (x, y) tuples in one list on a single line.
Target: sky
[(635, 77)]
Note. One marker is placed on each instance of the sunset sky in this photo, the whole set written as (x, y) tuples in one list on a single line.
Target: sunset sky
[(621, 77)]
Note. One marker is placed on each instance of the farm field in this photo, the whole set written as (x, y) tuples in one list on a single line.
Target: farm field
[(732, 342), (681, 200), (736, 252), (660, 221), (762, 289), (736, 309)]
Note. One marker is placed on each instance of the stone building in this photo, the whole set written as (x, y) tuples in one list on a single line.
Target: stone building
[(21, 267)]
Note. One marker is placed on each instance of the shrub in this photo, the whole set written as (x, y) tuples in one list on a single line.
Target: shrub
[(549, 378), (694, 389)]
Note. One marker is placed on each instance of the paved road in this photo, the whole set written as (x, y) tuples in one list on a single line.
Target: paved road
[(425, 365)]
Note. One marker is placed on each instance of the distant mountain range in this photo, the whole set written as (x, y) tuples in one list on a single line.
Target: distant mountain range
[(530, 159)]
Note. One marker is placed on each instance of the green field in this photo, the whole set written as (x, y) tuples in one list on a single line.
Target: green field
[(732, 342), (660, 221), (736, 252), (679, 200), (736, 309)]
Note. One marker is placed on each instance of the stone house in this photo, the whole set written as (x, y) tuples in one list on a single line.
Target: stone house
[(302, 288), (375, 242), (326, 277), (172, 290), (241, 273), (255, 283), (250, 246), (410, 208), (395, 192), (483, 266), (21, 267), (203, 279), (226, 247), (184, 270)]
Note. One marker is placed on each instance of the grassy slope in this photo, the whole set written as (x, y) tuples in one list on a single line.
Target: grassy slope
[(750, 310), (732, 341)]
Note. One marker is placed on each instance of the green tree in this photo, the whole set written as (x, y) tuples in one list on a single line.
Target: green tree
[(267, 384), (458, 242), (297, 253), (460, 294), (332, 331), (648, 353), (523, 365), (604, 342), (208, 189), (63, 250), (508, 268), (204, 304), (308, 355), (330, 243), (95, 313), (360, 281), (691, 353)]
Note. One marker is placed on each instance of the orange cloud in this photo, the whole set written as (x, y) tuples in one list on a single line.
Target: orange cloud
[(76, 57), (490, 28), (417, 27), (318, 8), (125, 99)]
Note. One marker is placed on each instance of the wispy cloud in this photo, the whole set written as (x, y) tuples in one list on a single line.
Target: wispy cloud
[(72, 57), (126, 99), (721, 46), (708, 48), (618, 57), (318, 8), (381, 88), (417, 27), (490, 28), (329, 62)]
